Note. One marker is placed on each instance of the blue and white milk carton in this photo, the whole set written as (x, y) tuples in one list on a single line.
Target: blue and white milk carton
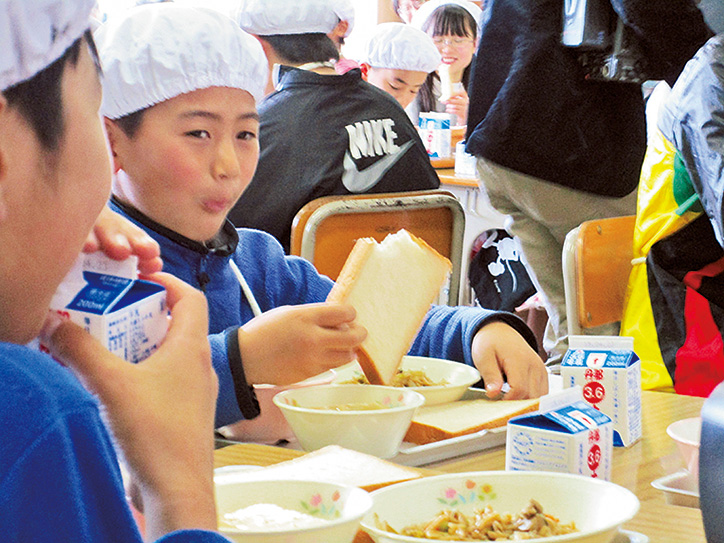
[(436, 133), (609, 373), (573, 438), (128, 315)]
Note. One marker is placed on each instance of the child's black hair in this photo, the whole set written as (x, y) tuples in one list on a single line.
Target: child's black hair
[(302, 48), (39, 99)]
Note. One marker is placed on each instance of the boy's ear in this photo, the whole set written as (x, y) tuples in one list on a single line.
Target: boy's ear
[(364, 68), (113, 133)]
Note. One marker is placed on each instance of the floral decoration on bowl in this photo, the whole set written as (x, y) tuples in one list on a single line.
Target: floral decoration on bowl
[(473, 492), (317, 507)]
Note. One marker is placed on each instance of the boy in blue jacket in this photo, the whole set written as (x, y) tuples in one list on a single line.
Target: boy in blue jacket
[(59, 476), (183, 132)]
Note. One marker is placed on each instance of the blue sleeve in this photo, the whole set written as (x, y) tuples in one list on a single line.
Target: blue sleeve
[(66, 486), (448, 332)]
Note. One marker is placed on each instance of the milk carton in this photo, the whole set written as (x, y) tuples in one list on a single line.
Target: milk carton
[(609, 372), (127, 315), (573, 438), (436, 133)]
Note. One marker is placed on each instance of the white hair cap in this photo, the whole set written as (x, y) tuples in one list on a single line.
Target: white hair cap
[(34, 34), (270, 17), (423, 14), (156, 52), (401, 47)]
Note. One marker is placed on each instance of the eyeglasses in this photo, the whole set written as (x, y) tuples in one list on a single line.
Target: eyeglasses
[(453, 42)]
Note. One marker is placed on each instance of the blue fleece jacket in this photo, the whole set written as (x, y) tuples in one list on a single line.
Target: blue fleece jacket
[(59, 475), (277, 279)]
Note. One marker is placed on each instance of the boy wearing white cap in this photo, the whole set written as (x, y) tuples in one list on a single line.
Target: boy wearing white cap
[(184, 148), (320, 133), (398, 58), (59, 476)]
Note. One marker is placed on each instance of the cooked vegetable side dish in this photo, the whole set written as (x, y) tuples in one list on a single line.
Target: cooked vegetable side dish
[(487, 525), (403, 378)]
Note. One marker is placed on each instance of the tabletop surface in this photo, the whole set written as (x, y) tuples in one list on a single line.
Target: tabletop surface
[(653, 456)]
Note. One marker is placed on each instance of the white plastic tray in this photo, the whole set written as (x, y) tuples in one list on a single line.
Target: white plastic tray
[(680, 488)]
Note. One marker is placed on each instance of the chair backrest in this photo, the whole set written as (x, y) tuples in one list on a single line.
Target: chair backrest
[(596, 266), (325, 230)]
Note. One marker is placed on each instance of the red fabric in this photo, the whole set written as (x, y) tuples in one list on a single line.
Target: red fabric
[(700, 360)]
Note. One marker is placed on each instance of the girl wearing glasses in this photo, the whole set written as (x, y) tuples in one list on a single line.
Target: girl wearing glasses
[(452, 25)]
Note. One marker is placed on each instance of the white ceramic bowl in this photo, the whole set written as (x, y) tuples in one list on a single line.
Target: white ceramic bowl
[(597, 507), (270, 426), (687, 434), (459, 377), (316, 423), (340, 506)]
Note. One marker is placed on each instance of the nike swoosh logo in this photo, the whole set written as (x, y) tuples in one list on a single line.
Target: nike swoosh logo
[(361, 181)]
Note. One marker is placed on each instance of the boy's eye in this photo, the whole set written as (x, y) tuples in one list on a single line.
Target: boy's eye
[(202, 134), (394, 88), (246, 135)]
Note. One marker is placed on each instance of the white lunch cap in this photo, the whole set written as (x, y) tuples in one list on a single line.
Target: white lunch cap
[(36, 33), (401, 47), (423, 14), (156, 52), (270, 17)]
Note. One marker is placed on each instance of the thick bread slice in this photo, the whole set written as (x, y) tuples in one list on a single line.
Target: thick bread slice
[(453, 419), (334, 464), (391, 285)]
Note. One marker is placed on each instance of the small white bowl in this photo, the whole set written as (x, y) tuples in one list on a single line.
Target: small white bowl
[(270, 426), (458, 376), (314, 416), (340, 506), (687, 434), (597, 507)]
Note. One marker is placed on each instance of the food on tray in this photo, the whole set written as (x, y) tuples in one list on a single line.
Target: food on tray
[(403, 378), (335, 464), (487, 525), (262, 517), (437, 422), (391, 285)]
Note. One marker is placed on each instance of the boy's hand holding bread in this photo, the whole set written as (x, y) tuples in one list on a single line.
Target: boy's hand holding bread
[(291, 343)]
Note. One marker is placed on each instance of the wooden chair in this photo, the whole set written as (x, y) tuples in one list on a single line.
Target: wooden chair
[(596, 266), (325, 230)]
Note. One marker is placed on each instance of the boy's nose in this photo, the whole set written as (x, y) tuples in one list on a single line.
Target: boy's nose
[(226, 164)]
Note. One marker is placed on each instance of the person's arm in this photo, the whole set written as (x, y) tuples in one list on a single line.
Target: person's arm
[(161, 411), (498, 343)]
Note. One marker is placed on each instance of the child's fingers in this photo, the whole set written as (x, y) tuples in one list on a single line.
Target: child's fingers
[(333, 315), (86, 356), (189, 311)]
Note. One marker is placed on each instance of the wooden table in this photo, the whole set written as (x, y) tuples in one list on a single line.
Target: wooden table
[(635, 467)]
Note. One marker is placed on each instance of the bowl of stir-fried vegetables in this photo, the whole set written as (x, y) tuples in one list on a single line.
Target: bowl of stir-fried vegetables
[(500, 506), (438, 380)]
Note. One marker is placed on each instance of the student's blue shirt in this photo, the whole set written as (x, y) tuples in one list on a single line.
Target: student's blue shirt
[(277, 279), (59, 475)]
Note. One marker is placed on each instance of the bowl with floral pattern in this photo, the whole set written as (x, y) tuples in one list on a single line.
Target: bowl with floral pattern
[(494, 505), (371, 419), (280, 511)]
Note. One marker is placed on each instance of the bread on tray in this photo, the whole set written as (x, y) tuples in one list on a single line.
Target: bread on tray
[(391, 285), (444, 421), (335, 464)]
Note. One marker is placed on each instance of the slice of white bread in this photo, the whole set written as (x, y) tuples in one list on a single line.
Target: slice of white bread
[(391, 285), (453, 419), (446, 85), (333, 464)]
